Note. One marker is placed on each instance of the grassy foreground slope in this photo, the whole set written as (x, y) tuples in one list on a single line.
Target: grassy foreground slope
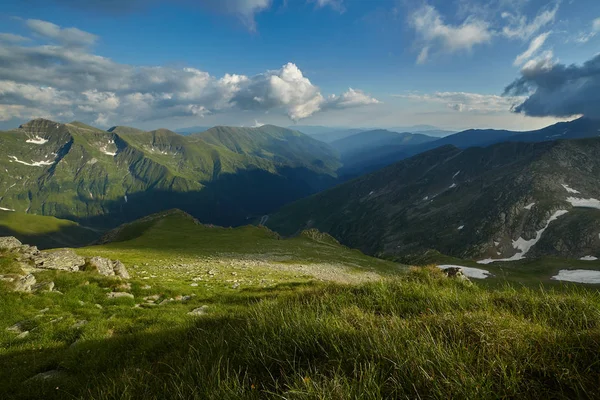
[(45, 232)]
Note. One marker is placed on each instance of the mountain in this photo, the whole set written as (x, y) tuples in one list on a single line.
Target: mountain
[(372, 160), (506, 201), (366, 141), (103, 178), (192, 129), (332, 136)]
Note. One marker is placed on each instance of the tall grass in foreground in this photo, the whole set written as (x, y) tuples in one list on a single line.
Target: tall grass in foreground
[(424, 336)]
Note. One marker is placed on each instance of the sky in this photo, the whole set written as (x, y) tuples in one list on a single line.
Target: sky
[(455, 64)]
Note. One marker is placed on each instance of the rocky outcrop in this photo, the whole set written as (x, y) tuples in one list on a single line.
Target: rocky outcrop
[(107, 267), (9, 243), (24, 283), (62, 260)]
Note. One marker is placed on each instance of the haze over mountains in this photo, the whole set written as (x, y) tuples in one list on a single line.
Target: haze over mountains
[(233, 176)]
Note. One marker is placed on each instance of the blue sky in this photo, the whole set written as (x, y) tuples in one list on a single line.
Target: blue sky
[(243, 62)]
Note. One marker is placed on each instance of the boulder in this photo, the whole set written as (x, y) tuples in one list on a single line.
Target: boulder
[(104, 266), (62, 260), (197, 312), (24, 283), (119, 295), (455, 272), (43, 287), (120, 270), (9, 243)]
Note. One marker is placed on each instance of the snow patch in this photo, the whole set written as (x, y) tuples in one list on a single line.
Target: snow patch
[(37, 140), (523, 246), (475, 273), (529, 206), (33, 163), (578, 275), (425, 198), (371, 193), (455, 175), (568, 189), (587, 203), (588, 258), (452, 186), (6, 209), (126, 200), (460, 228)]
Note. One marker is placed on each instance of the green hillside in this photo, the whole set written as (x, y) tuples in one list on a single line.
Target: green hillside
[(45, 232), (496, 202), (103, 178)]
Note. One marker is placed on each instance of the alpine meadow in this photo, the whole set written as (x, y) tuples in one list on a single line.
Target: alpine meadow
[(299, 199)]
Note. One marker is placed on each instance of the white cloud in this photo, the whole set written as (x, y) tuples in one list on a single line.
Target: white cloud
[(533, 48), (64, 36), (520, 28), (12, 38), (67, 81), (334, 4), (467, 102), (595, 29), (434, 34)]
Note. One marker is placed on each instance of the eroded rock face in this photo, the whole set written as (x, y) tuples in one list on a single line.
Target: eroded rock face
[(62, 260), (107, 267), (9, 243)]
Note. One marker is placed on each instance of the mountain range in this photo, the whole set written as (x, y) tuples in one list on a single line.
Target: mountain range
[(103, 178)]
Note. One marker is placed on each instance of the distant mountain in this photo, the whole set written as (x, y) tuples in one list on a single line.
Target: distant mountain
[(364, 141), (506, 201), (103, 178), (316, 129), (375, 159), (331, 136)]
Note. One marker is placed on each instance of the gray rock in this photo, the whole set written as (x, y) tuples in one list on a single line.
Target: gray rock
[(79, 324), (23, 335), (24, 283), (62, 260), (197, 312), (43, 287), (46, 376), (120, 270), (9, 243), (104, 266), (7, 278), (16, 328), (118, 295)]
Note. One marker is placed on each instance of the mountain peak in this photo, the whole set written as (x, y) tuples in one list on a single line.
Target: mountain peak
[(39, 122)]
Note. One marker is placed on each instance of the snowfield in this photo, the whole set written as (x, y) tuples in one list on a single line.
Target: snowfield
[(525, 245), (578, 275), (585, 203), (568, 189), (474, 273), (588, 258), (37, 140), (529, 206), (33, 163)]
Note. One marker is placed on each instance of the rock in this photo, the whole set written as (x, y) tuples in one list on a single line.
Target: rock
[(124, 286), (79, 324), (154, 297), (194, 284), (118, 295), (107, 267), (7, 278), (104, 266), (9, 243), (23, 335), (146, 287), (43, 287), (455, 272), (98, 306), (197, 312), (235, 286), (62, 260), (120, 270), (46, 376), (24, 283), (16, 328)]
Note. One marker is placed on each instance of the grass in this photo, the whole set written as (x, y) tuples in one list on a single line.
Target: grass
[(419, 336)]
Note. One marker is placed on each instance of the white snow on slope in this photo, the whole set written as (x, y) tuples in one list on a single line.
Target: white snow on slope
[(460, 228), (452, 186), (33, 163), (37, 140), (525, 245), (588, 258), (475, 273), (578, 275), (455, 175), (6, 209), (568, 189), (587, 203), (529, 206)]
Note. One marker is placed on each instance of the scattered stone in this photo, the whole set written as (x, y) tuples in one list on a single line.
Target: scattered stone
[(98, 306), (124, 286), (235, 286), (118, 295), (154, 297), (146, 287), (25, 283), (79, 324), (43, 287), (194, 284), (44, 310), (16, 328), (23, 335), (9, 243), (46, 376), (197, 312), (7, 278), (165, 301), (81, 302), (62, 260)]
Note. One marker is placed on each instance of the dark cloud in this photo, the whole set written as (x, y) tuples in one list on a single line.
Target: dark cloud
[(558, 90)]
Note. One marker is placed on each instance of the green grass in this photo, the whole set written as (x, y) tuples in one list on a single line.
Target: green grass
[(45, 232), (421, 336)]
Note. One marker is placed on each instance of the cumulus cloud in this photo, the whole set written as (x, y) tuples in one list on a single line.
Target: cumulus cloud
[(12, 38), (467, 102), (64, 36), (554, 89), (435, 35), (533, 48), (520, 27), (67, 80)]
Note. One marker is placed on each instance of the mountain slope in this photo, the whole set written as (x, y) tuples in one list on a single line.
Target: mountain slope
[(495, 202), (104, 178), (364, 141)]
